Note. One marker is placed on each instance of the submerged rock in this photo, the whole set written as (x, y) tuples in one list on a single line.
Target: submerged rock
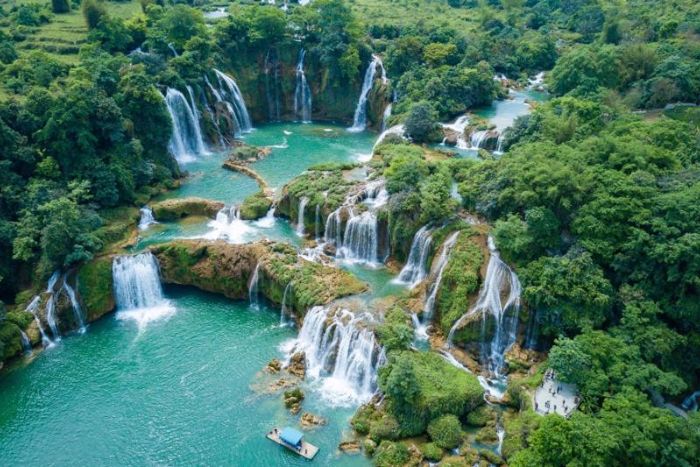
[(309, 420), (274, 366), (350, 447)]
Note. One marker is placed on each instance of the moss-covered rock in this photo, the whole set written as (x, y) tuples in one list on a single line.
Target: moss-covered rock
[(10, 340), (255, 206), (220, 267), (174, 209), (95, 286), (242, 152)]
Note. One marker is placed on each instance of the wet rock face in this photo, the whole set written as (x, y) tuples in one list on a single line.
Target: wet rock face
[(350, 446), (450, 136), (309, 420)]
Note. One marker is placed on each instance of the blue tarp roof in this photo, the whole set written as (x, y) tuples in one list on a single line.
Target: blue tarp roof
[(291, 436)]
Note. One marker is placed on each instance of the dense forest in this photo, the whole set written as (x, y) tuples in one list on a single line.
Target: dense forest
[(594, 200)]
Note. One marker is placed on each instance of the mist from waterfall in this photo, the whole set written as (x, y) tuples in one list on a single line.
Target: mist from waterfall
[(500, 281), (342, 355), (360, 118), (186, 142), (137, 289), (302, 93), (414, 271)]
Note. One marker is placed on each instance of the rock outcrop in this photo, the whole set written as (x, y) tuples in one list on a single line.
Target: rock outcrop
[(174, 209)]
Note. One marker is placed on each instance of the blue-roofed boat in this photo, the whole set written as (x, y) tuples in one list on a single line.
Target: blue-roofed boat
[(293, 440)]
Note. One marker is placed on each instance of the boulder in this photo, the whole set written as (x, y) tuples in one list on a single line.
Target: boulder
[(297, 365), (350, 447), (309, 420), (274, 366)]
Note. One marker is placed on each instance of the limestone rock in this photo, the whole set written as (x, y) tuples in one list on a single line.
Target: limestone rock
[(274, 366), (351, 447), (297, 365), (293, 399), (174, 209), (309, 420)]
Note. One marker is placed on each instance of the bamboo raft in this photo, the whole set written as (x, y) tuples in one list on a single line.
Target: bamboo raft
[(294, 442)]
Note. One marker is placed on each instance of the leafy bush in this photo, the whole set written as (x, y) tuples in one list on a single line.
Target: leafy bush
[(422, 123), (446, 431), (390, 454)]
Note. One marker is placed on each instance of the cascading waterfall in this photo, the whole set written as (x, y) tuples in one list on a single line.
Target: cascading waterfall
[(341, 352), (51, 306), (26, 343), (300, 215), (284, 310), (478, 138), (691, 402), (75, 305), (397, 130), (361, 238), (272, 84), (500, 279), (386, 116), (360, 118), (172, 49), (33, 308), (499, 143), (437, 272), (501, 434), (458, 127), (212, 115), (229, 93), (253, 288), (229, 226), (415, 269), (147, 218), (302, 93), (186, 139), (317, 223), (137, 289), (268, 221)]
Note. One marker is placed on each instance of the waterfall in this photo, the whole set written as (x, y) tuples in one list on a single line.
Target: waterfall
[(253, 288), (499, 143), (26, 343), (268, 221), (691, 402), (360, 119), (302, 93), (284, 310), (212, 114), (478, 138), (230, 94), (500, 281), (186, 139), (75, 305), (147, 218), (501, 434), (300, 215), (361, 238), (229, 226), (397, 130), (414, 271), (332, 233), (341, 352), (137, 289), (33, 308), (51, 306), (458, 126), (272, 84), (386, 116), (172, 49), (438, 270)]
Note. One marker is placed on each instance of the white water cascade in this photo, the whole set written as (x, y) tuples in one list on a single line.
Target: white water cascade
[(414, 271), (33, 308), (26, 343), (317, 223), (51, 306), (361, 238), (397, 130), (437, 272), (284, 309), (78, 313), (229, 226), (253, 288), (302, 93), (341, 354), (268, 220), (360, 119), (186, 139), (230, 95), (500, 282), (147, 218), (386, 116), (458, 126), (137, 289), (300, 215), (478, 138)]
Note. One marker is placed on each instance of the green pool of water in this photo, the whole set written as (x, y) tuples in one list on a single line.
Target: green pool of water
[(181, 391)]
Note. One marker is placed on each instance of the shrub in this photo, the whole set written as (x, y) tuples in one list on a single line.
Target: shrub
[(93, 12), (391, 454), (60, 6), (422, 123), (431, 451), (446, 431)]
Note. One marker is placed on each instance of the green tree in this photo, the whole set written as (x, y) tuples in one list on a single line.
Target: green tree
[(93, 11), (422, 124)]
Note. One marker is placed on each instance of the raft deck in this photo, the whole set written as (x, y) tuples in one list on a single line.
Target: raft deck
[(306, 450)]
